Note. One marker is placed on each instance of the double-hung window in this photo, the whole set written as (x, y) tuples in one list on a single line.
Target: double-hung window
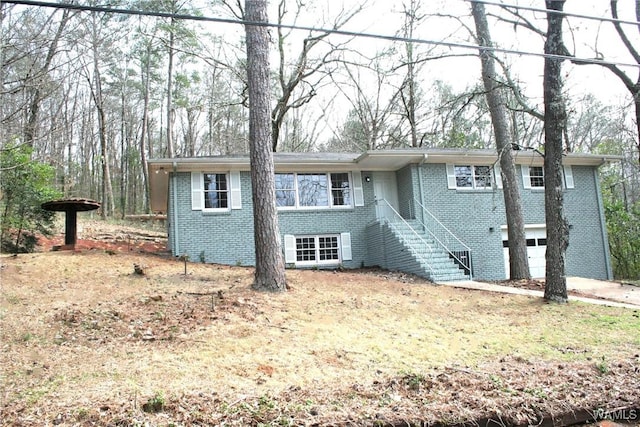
[(533, 177), (313, 190), (536, 176), (216, 191), (471, 176), (285, 190)]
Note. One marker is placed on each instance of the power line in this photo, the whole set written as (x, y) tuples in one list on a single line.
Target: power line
[(467, 46), (557, 12)]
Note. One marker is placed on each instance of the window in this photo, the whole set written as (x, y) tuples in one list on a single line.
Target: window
[(322, 249), (328, 248), (317, 250), (285, 190), (216, 193), (470, 176), (536, 176), (305, 249), (533, 176), (313, 190), (340, 189)]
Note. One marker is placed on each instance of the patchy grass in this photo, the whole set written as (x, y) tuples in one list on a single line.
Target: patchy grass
[(85, 340)]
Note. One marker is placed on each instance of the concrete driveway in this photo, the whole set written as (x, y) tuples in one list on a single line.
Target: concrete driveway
[(589, 290), (613, 291)]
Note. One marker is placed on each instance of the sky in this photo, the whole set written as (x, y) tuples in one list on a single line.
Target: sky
[(584, 38)]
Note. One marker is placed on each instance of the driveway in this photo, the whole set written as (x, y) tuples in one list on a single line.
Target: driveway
[(613, 291), (586, 290)]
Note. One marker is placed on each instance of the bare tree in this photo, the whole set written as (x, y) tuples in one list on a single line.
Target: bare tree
[(409, 89), (632, 87), (146, 59), (373, 100), (518, 260), (39, 74), (270, 273), (554, 126), (95, 81), (299, 79), (294, 85)]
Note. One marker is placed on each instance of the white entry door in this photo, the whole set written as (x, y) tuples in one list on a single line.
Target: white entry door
[(536, 250), (385, 188)]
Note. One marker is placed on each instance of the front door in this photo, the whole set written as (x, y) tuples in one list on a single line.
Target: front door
[(385, 189)]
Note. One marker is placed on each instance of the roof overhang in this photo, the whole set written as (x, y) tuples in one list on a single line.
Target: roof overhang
[(521, 157), (371, 161)]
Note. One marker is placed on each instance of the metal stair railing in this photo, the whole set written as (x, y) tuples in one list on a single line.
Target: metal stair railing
[(396, 218), (460, 252)]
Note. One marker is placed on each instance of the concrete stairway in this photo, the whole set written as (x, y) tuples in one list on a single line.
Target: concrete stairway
[(433, 261)]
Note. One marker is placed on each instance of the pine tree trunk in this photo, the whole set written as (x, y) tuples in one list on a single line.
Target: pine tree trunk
[(518, 259), (108, 205), (554, 122), (170, 108), (143, 130), (270, 272)]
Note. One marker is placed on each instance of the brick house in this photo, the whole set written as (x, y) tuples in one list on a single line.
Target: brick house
[(438, 213)]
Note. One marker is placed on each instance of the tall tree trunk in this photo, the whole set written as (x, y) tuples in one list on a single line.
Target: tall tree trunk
[(518, 260), (124, 151), (146, 79), (107, 189), (554, 121), (270, 273), (170, 110), (34, 107), (409, 87)]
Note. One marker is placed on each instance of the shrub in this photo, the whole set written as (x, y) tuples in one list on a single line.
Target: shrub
[(24, 185)]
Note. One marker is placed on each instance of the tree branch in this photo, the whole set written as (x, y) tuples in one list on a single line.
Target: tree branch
[(621, 33)]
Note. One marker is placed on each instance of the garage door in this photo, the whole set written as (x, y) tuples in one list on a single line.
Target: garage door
[(536, 249)]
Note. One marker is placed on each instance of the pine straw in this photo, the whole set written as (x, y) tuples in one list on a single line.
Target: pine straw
[(86, 341)]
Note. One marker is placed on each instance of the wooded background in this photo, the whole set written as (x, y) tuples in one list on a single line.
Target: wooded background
[(94, 94)]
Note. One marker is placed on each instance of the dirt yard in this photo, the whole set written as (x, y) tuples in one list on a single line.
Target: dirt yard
[(118, 333)]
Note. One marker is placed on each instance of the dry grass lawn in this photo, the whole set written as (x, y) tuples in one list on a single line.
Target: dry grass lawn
[(86, 341)]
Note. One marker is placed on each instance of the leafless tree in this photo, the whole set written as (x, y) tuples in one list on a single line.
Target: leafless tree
[(301, 78), (373, 100), (632, 86), (94, 78)]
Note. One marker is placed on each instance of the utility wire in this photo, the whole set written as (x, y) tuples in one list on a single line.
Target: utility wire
[(467, 46), (557, 12)]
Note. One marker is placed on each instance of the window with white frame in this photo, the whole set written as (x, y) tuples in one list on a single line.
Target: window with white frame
[(533, 176), (536, 176), (285, 190), (472, 176), (313, 190), (216, 191), (317, 250), (321, 249)]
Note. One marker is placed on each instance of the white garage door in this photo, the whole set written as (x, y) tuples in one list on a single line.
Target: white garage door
[(536, 249)]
